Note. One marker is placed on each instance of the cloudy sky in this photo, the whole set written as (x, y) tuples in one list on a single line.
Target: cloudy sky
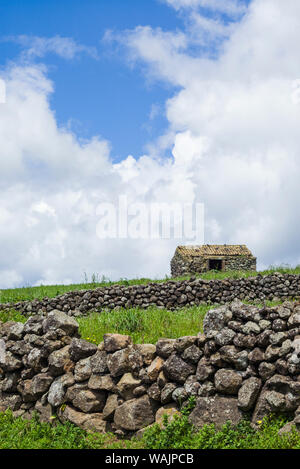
[(164, 101)]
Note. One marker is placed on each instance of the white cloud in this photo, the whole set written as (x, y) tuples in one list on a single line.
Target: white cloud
[(65, 47), (234, 136), (232, 7), (244, 104), (51, 185)]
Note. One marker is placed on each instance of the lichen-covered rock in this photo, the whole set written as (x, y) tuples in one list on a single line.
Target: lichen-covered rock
[(168, 410), (126, 386), (147, 352), (111, 404), (192, 354), (16, 331), (155, 368), (101, 382), (87, 400), (118, 362), (217, 410), (228, 381), (184, 342), (214, 320), (114, 342), (224, 337), (177, 369), (82, 370), (80, 349), (98, 362), (248, 393), (280, 394), (59, 320), (60, 361), (165, 347), (57, 391), (33, 325)]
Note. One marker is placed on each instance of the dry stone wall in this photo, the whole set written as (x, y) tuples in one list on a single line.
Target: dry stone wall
[(245, 364), (170, 294)]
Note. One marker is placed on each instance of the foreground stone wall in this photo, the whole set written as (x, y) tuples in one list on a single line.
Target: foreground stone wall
[(170, 295), (246, 363)]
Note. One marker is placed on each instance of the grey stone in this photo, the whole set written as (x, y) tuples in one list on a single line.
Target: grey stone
[(134, 414), (59, 320), (80, 349), (114, 342), (177, 369), (217, 410), (248, 393), (228, 381)]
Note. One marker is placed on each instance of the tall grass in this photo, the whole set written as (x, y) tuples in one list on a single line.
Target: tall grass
[(144, 326)]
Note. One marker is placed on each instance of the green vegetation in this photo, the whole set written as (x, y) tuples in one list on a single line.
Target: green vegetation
[(144, 326), (12, 315), (179, 434), (18, 433), (50, 291)]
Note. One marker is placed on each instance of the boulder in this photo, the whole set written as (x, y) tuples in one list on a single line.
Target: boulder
[(112, 403), (215, 410), (87, 400), (248, 393), (60, 361), (177, 369), (59, 320), (227, 381), (154, 368), (126, 386), (101, 382), (170, 410), (134, 414), (118, 362), (80, 349), (114, 342)]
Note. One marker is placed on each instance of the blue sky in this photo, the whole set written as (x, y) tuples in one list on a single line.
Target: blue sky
[(205, 94), (105, 96)]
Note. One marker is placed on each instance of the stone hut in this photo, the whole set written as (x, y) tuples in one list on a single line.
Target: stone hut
[(198, 259)]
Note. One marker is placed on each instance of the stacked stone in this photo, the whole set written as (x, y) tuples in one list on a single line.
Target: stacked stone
[(246, 363), (170, 295), (181, 266)]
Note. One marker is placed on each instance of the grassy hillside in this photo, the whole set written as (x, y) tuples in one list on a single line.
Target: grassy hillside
[(50, 291)]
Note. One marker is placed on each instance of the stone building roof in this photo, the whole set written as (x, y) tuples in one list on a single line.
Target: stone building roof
[(214, 250)]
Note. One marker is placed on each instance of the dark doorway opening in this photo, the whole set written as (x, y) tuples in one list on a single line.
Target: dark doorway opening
[(215, 264)]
